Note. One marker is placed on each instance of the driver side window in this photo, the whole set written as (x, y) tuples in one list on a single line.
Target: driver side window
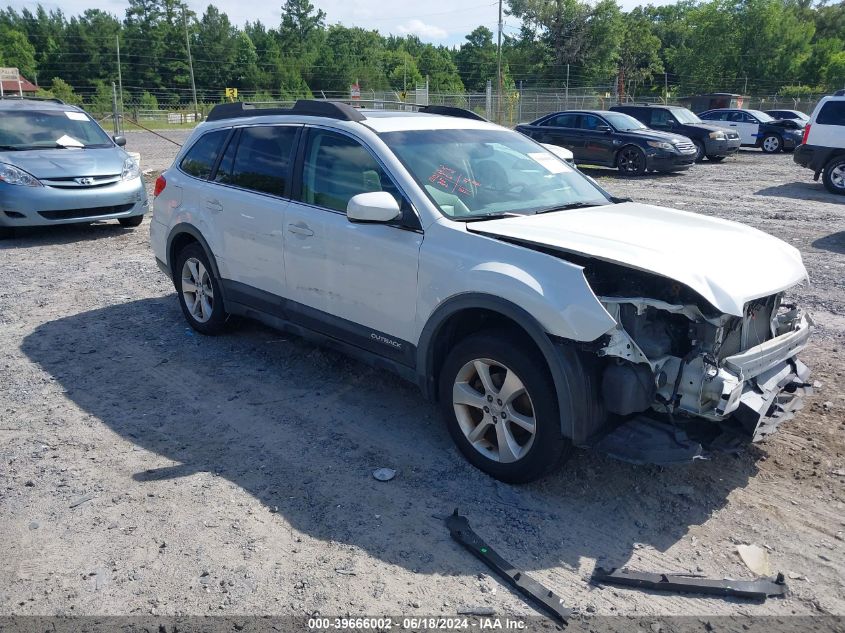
[(336, 168)]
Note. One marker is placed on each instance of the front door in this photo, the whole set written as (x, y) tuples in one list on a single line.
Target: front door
[(354, 281), (746, 125)]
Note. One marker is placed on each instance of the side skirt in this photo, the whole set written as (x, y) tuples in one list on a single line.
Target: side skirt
[(321, 328)]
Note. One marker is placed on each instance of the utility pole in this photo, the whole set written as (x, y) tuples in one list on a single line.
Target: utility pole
[(666, 88), (499, 69), (119, 79), (745, 88), (567, 87), (190, 65)]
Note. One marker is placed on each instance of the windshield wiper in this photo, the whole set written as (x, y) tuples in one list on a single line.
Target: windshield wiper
[(571, 205), (12, 148), (488, 216)]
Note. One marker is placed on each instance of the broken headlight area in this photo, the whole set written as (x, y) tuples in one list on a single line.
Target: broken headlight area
[(688, 365)]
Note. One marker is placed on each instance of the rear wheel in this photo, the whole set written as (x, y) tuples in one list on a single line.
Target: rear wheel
[(834, 176), (199, 291), (501, 408), (135, 220), (631, 161), (772, 143)]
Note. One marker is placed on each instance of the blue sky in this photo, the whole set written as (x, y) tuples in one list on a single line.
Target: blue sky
[(436, 21)]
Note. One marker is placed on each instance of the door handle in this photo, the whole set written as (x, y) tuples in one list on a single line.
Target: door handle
[(733, 124), (213, 205), (300, 228)]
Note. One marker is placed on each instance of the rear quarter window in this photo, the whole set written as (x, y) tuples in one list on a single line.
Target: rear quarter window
[(832, 113), (200, 159)]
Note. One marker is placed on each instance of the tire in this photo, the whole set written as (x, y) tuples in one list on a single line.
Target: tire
[(716, 159), (631, 161), (206, 313), (834, 176), (501, 357), (699, 151), (135, 220), (771, 144)]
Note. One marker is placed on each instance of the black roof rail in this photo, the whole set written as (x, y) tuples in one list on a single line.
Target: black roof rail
[(839, 93), (303, 107), (20, 98), (451, 111)]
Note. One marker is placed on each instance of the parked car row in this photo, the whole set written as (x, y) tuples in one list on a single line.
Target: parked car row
[(538, 310), (636, 138)]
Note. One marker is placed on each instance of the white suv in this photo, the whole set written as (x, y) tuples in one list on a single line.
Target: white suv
[(540, 312), (823, 147)]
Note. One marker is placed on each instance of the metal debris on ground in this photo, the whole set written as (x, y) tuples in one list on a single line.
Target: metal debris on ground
[(384, 474), (757, 589), (460, 530), (82, 500)]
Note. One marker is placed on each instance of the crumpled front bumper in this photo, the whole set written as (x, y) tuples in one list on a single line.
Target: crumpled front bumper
[(764, 385)]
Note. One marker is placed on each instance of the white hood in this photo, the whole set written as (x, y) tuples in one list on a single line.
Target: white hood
[(727, 263)]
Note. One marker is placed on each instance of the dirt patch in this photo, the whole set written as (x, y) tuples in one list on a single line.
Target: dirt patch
[(146, 469)]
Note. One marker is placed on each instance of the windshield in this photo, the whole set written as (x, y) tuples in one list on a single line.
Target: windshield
[(20, 130), (760, 116), (623, 122), (476, 173), (685, 116)]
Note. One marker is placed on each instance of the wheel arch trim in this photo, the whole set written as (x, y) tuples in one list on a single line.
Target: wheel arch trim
[(189, 229), (574, 422)]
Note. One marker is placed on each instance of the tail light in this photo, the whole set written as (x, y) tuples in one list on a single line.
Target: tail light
[(161, 183), (806, 134)]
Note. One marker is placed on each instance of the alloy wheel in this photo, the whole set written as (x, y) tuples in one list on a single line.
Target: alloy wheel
[(630, 160), (197, 290), (837, 176), (494, 410)]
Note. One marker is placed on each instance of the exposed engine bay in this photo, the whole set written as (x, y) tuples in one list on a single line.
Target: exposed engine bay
[(675, 354)]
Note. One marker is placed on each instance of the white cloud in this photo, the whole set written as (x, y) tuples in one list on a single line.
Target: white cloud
[(423, 30)]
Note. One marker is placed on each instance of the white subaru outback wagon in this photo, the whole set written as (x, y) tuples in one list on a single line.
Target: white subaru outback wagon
[(538, 310)]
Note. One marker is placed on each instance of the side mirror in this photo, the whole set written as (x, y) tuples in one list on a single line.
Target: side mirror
[(120, 141), (604, 129), (374, 206)]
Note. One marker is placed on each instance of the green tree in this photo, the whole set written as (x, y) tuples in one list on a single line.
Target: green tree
[(639, 53), (15, 50), (476, 60), (59, 89)]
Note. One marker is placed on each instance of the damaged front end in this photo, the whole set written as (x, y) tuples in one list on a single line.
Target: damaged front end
[(675, 367)]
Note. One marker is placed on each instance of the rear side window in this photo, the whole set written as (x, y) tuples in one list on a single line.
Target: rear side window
[(832, 113), (562, 120), (259, 159), (200, 159)]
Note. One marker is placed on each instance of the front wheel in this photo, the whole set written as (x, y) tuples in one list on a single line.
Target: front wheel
[(834, 176), (199, 291), (135, 220), (631, 161), (772, 144), (699, 151), (501, 408)]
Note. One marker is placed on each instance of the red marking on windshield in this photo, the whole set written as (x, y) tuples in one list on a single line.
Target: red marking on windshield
[(453, 181)]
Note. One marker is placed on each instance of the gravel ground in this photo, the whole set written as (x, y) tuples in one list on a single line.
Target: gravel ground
[(145, 469)]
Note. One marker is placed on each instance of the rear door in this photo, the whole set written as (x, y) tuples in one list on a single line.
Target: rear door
[(562, 129), (247, 200), (597, 140)]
